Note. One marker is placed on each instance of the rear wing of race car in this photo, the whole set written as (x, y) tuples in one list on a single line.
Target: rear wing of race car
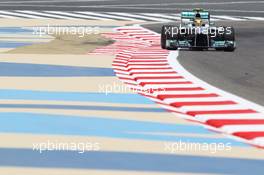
[(191, 15)]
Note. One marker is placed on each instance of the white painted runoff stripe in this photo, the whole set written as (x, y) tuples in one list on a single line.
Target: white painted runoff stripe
[(95, 17), (73, 15), (167, 16), (140, 17), (14, 14), (44, 13), (9, 17), (109, 16)]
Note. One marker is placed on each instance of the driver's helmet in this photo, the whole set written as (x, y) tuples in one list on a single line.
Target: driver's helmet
[(198, 20)]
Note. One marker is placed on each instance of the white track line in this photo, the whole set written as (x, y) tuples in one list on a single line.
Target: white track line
[(228, 18), (255, 18)]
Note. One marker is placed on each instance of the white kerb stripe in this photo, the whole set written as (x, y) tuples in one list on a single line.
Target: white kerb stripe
[(162, 80), (181, 92), (124, 76), (259, 141), (242, 128), (213, 107), (153, 70), (156, 75), (204, 118), (122, 72), (152, 66), (204, 99), (148, 60), (170, 86), (133, 63)]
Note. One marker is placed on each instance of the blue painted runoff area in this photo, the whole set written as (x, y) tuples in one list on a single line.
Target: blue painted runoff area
[(74, 96), (35, 123)]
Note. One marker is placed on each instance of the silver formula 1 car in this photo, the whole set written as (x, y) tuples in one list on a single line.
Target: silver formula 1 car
[(196, 31)]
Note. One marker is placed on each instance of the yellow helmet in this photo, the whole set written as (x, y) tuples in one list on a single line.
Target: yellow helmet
[(198, 21)]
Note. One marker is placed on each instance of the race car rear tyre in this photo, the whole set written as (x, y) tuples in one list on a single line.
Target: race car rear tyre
[(229, 36), (219, 49), (229, 49), (163, 38), (172, 48)]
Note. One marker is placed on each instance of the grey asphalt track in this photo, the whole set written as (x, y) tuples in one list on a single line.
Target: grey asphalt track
[(233, 7), (240, 72)]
